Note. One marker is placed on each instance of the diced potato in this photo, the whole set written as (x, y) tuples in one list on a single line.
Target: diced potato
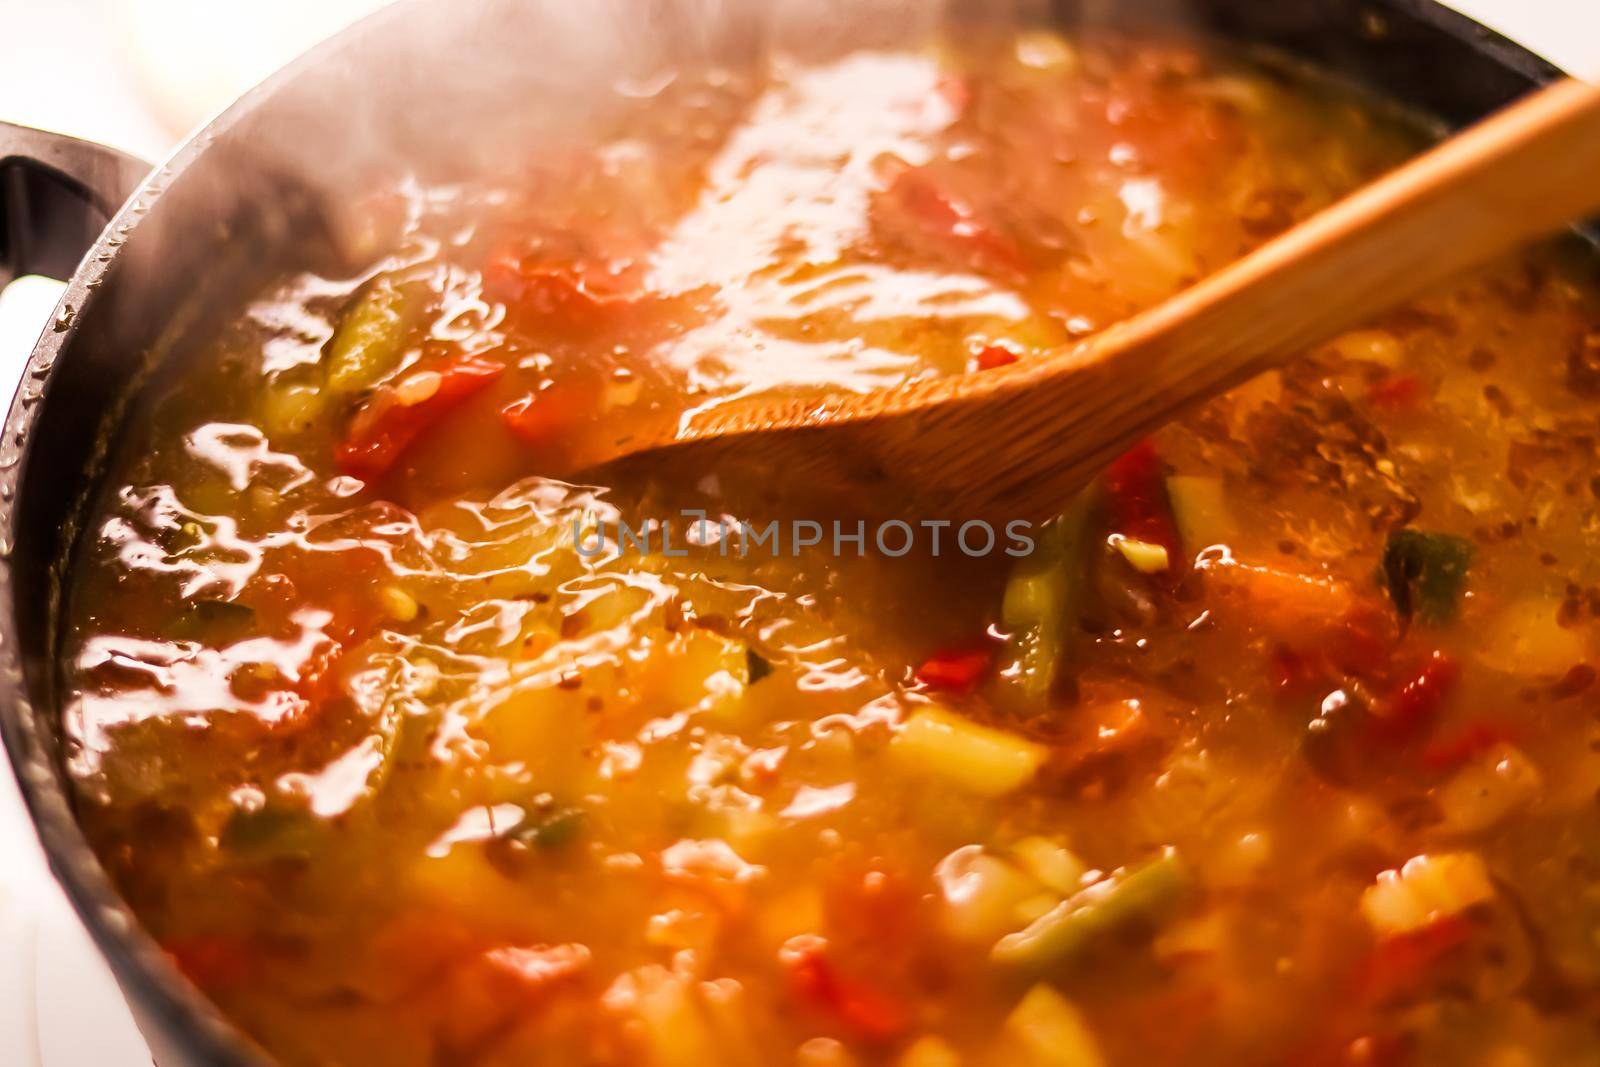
[(982, 894), (975, 758), (1050, 863), (1426, 889), (1487, 788), (462, 881), (711, 674), (667, 1017), (929, 1050), (1371, 346), (1201, 510), (1146, 557), (798, 911), (1526, 638), (1046, 1030), (1202, 935)]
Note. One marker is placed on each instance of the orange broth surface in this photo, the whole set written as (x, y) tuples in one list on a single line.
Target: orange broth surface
[(1280, 747)]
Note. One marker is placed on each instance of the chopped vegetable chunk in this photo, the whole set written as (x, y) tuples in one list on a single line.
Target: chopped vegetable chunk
[(975, 758)]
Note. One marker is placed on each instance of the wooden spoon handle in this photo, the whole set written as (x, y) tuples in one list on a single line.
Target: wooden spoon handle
[(1015, 441), (1521, 174)]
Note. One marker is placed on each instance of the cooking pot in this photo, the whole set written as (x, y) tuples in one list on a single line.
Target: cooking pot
[(438, 84)]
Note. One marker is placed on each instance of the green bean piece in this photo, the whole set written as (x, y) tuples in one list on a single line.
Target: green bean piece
[(372, 332), (1130, 895)]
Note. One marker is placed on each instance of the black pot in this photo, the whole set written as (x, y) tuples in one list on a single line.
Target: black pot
[(185, 240)]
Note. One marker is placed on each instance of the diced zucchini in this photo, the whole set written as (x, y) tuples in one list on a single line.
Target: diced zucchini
[(289, 409), (1426, 889), (1046, 1030), (1129, 895), (1043, 600), (1201, 511), (1425, 573), (370, 335), (975, 758), (271, 832)]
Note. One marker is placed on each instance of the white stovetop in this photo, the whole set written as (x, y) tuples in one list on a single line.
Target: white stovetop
[(132, 73)]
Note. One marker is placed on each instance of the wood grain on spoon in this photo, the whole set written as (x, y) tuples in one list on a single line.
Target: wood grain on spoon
[(1015, 442)]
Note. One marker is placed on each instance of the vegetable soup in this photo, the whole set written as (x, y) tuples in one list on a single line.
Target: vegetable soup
[(1278, 745)]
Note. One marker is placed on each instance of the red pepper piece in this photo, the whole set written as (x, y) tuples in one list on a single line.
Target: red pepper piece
[(1401, 961), (1136, 495), (1451, 752), (580, 296), (541, 417), (956, 670), (944, 224), (1410, 708), (384, 427), (991, 356), (869, 1013)]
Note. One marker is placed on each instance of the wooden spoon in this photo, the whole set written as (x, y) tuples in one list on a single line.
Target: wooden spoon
[(1016, 441)]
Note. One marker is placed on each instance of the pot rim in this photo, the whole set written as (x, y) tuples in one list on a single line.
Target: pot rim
[(163, 999)]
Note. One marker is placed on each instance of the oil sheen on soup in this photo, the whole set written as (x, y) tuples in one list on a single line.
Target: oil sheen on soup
[(1277, 746)]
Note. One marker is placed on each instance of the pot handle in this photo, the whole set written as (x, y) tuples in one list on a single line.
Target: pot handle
[(56, 194)]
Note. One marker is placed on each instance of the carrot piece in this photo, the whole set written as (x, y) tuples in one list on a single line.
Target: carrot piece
[(386, 425), (991, 356), (956, 670)]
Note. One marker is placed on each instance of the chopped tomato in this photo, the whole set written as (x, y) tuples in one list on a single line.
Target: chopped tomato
[(574, 293), (1137, 501), (915, 209), (1410, 708), (867, 1012), (956, 670), (991, 356), (1397, 392), (386, 425)]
